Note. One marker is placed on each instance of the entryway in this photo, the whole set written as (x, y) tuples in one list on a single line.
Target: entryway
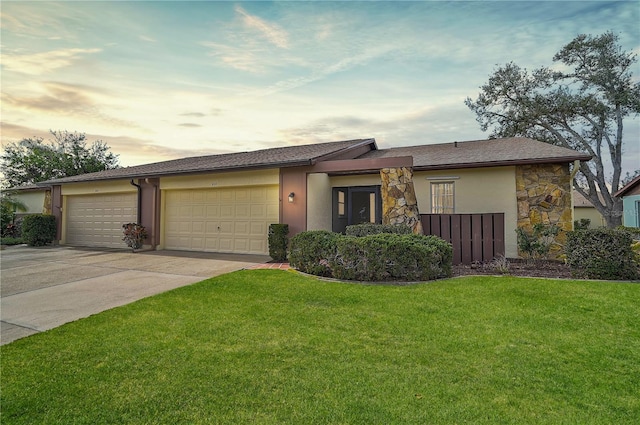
[(355, 205)]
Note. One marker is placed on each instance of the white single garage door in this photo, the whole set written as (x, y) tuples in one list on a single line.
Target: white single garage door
[(220, 220), (96, 220)]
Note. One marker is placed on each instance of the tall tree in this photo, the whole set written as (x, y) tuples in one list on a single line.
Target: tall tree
[(582, 106), (34, 160)]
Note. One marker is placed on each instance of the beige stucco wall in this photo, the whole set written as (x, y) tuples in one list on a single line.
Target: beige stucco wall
[(319, 208), (476, 190), (592, 214), (112, 186), (216, 180), (33, 200), (363, 180)]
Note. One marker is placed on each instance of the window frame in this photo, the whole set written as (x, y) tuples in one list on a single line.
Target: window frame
[(442, 208)]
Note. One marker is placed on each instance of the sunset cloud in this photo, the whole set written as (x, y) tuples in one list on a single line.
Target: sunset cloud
[(43, 62)]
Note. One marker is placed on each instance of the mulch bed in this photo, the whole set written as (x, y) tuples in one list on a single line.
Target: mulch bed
[(517, 267)]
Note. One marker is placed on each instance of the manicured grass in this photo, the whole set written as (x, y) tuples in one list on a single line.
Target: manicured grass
[(274, 347)]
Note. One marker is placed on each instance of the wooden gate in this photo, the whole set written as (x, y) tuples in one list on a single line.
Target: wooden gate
[(475, 237)]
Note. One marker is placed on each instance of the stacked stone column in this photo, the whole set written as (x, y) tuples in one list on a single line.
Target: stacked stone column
[(399, 203)]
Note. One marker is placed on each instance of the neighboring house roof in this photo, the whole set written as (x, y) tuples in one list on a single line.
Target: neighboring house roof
[(628, 187), (266, 158), (482, 153), (580, 201)]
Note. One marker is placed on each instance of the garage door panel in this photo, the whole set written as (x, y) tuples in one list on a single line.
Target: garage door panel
[(243, 211), (226, 219), (96, 220), (225, 227), (227, 211)]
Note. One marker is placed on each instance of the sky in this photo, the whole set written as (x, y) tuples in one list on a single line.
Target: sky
[(159, 80)]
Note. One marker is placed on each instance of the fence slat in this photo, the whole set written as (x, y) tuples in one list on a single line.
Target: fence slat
[(474, 237), (456, 238), (465, 238), (488, 252)]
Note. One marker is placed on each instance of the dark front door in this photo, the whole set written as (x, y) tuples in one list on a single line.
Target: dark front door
[(355, 205)]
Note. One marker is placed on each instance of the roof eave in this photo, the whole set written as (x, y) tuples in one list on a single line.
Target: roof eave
[(627, 187), (484, 164), (184, 172)]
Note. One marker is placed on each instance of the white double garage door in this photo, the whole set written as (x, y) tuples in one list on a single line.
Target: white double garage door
[(234, 220)]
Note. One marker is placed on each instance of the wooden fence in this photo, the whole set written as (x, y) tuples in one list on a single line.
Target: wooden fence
[(475, 237)]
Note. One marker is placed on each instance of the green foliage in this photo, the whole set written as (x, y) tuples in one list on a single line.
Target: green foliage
[(582, 224), (8, 207), (11, 241), (39, 229), (34, 160), (134, 235), (310, 252), (537, 244), (366, 229), (602, 254), (582, 107), (278, 241), (388, 256)]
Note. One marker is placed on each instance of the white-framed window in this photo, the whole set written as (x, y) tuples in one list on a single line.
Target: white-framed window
[(442, 197)]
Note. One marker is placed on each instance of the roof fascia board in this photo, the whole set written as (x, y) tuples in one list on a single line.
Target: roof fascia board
[(356, 166), (501, 163), (627, 187), (371, 143)]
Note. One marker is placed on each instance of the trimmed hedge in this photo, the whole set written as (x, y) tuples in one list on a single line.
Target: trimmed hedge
[(310, 252), (377, 257), (278, 241), (602, 254), (38, 229), (366, 229), (392, 257)]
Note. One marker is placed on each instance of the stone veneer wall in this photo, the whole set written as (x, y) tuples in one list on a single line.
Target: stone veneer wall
[(46, 207), (399, 203), (543, 194)]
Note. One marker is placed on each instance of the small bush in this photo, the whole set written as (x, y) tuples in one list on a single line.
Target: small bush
[(582, 224), (537, 243), (382, 257), (602, 254), (366, 229), (39, 229), (11, 241), (134, 235), (500, 264), (278, 241), (310, 252)]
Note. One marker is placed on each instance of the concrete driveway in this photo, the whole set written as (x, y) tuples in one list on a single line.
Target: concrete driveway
[(42, 288)]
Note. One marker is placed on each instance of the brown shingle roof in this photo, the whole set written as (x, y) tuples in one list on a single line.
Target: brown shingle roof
[(266, 158), (481, 153), (580, 201)]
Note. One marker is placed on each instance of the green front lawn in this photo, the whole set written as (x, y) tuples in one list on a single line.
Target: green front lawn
[(274, 347)]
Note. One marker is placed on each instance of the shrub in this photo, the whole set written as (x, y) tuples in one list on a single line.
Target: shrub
[(11, 241), (582, 224), (537, 243), (602, 254), (311, 251), (381, 257), (39, 229), (278, 241), (366, 229), (134, 235)]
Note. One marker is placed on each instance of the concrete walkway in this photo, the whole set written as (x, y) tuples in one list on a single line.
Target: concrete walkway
[(42, 288)]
